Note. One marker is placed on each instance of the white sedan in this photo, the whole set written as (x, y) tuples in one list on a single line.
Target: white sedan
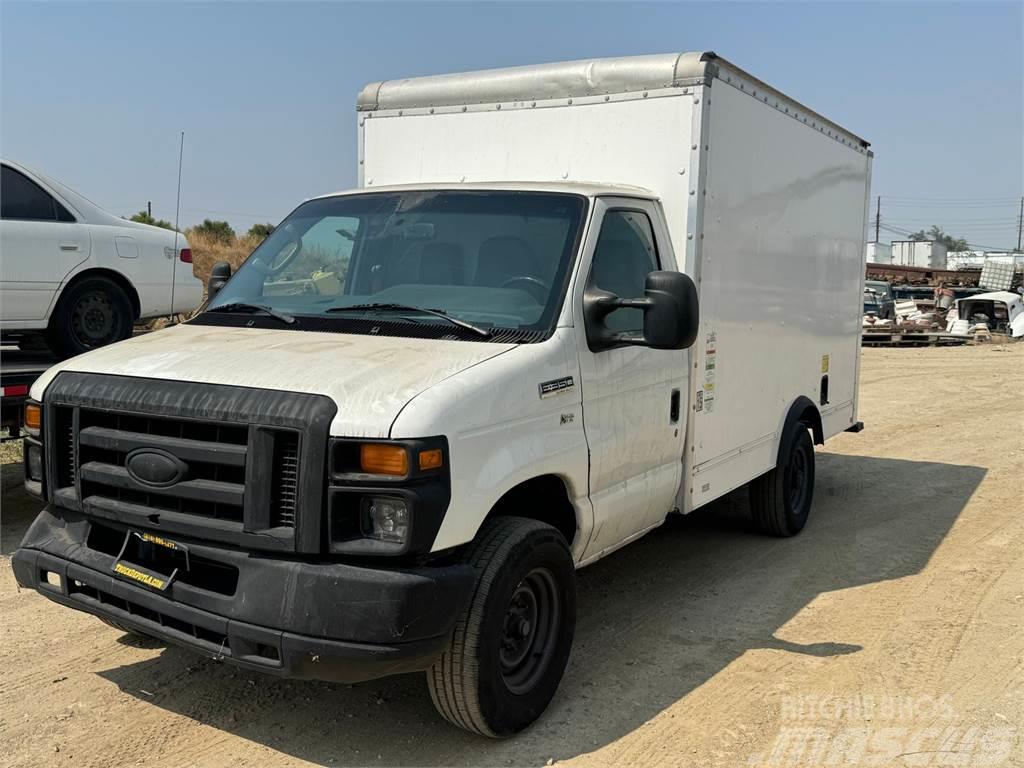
[(78, 275)]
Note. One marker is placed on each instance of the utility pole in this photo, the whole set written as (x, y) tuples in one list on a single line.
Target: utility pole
[(149, 209), (1020, 223), (878, 217)]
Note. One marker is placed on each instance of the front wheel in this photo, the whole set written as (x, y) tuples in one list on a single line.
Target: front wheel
[(780, 500), (509, 649)]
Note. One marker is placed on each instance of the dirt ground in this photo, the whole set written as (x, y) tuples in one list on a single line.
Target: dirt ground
[(888, 633)]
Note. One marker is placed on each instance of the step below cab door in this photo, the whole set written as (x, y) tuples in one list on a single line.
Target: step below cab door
[(632, 411)]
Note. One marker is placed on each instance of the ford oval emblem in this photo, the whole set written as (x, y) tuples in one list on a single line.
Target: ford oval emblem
[(155, 467)]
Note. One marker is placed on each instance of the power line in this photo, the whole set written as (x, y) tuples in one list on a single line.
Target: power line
[(963, 220), (953, 199), (971, 246)]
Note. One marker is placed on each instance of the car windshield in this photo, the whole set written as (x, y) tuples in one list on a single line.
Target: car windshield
[(487, 258), (882, 289)]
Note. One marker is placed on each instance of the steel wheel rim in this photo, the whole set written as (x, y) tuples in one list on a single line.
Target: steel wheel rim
[(798, 470), (92, 321), (529, 631)]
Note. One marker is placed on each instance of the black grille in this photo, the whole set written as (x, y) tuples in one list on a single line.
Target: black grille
[(215, 641), (214, 452), (234, 465), (284, 486), (66, 448)]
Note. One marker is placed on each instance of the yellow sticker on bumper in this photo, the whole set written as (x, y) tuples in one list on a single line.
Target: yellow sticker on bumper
[(140, 576)]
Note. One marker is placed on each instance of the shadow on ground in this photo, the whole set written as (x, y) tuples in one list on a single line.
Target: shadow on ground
[(657, 620)]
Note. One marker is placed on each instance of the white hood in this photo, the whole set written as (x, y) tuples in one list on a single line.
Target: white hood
[(370, 378)]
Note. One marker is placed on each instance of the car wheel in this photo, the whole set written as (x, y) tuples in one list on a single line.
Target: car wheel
[(780, 500), (509, 649), (92, 313)]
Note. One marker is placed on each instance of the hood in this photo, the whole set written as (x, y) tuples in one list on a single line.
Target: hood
[(370, 378)]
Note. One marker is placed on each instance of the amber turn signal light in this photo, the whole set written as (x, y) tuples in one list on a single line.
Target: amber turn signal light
[(431, 459), (33, 416), (383, 459)]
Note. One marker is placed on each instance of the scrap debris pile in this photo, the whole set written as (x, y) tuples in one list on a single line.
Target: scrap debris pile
[(907, 317), (947, 316), (885, 313)]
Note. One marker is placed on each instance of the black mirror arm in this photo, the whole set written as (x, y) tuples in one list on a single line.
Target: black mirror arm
[(600, 304)]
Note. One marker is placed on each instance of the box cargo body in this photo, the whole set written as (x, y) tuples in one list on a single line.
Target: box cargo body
[(765, 201), (878, 253), (919, 253)]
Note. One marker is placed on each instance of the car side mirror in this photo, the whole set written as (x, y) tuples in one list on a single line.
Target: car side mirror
[(219, 276), (670, 308)]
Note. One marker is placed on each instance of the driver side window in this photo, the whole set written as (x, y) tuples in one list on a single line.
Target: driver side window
[(624, 255)]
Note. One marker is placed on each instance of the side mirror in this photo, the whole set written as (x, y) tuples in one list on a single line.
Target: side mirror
[(670, 314), (671, 319), (219, 276)]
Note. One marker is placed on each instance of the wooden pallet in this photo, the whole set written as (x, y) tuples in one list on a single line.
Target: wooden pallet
[(900, 338)]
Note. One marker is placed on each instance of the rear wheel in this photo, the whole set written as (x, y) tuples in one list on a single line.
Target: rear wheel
[(92, 313), (509, 649), (780, 500)]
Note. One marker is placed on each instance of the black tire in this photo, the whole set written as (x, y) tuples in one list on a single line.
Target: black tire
[(91, 313), (500, 671), (780, 500)]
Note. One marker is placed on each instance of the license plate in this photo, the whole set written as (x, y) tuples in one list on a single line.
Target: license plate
[(150, 560)]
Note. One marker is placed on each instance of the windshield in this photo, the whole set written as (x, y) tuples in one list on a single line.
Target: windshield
[(881, 288), (491, 259)]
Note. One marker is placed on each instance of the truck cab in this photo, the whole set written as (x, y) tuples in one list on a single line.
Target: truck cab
[(388, 374)]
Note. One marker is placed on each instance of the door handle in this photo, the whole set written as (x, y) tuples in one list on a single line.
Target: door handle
[(673, 410), (69, 246)]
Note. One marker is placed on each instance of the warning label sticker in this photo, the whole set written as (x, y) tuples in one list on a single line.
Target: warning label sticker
[(706, 396)]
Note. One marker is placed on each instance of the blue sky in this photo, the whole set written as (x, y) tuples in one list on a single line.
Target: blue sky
[(96, 94)]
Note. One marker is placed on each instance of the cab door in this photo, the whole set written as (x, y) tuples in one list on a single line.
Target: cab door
[(631, 394), (40, 243)]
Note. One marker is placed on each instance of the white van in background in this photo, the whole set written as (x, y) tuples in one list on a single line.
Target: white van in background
[(78, 275)]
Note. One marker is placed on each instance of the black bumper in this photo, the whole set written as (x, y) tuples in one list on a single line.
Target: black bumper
[(325, 621)]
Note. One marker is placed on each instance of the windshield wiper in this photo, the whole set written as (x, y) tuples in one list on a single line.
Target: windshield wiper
[(410, 308), (241, 306)]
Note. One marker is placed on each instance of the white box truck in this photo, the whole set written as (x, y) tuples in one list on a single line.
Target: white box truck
[(929, 254), (566, 301)]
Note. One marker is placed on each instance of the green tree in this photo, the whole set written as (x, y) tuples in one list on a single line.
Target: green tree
[(143, 217), (936, 234), (220, 231), (261, 230)]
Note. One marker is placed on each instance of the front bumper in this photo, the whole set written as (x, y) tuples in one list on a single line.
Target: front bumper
[(326, 621)]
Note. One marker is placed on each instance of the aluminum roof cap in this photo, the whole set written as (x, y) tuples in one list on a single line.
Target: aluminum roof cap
[(563, 79)]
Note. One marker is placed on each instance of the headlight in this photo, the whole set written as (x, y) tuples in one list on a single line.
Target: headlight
[(386, 519), (386, 497), (34, 463)]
